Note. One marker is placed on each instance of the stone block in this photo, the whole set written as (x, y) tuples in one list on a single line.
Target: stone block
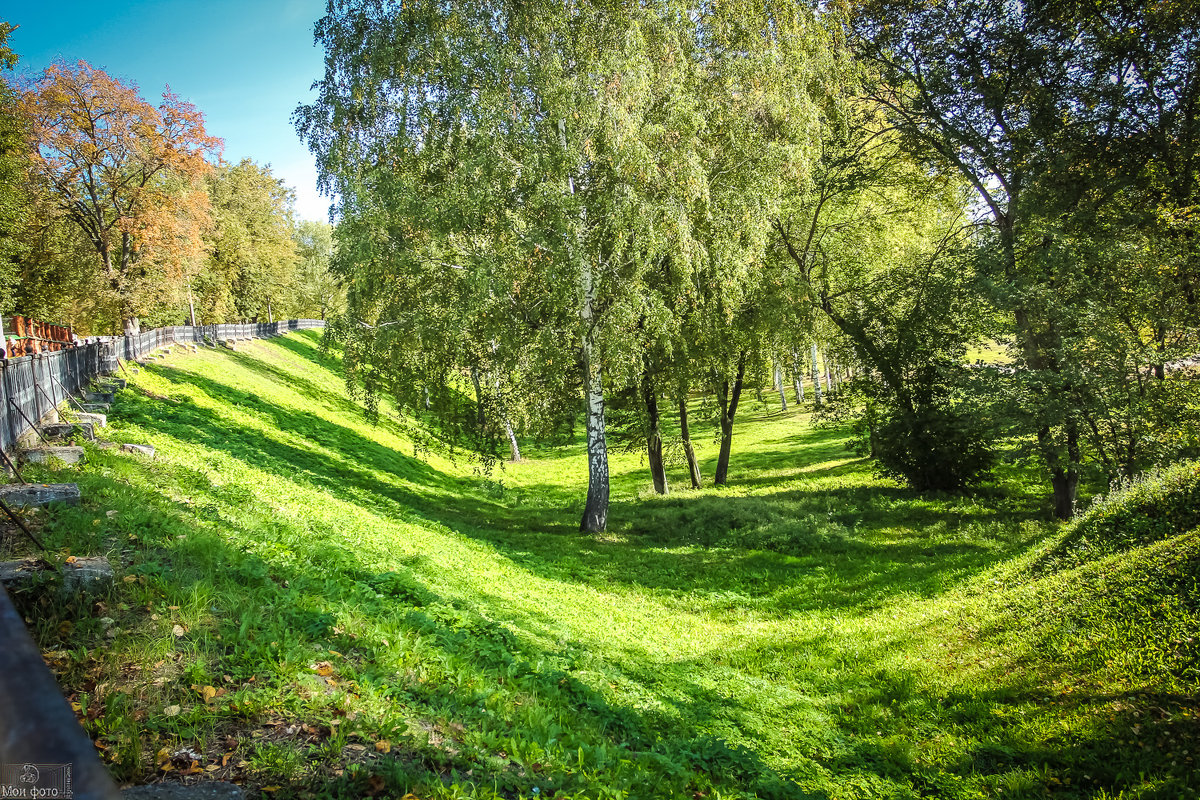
[(98, 397), (111, 384), (95, 408), (138, 449), (20, 573), (29, 495), (67, 454), (65, 430), (95, 420), (91, 575)]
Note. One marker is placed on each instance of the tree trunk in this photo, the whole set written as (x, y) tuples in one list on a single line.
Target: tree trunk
[(797, 378), (479, 420), (693, 466), (514, 452), (595, 513), (132, 326), (816, 378), (191, 306), (728, 400), (1065, 482), (654, 443), (779, 386)]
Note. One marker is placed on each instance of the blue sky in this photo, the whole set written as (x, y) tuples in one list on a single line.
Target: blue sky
[(245, 64)]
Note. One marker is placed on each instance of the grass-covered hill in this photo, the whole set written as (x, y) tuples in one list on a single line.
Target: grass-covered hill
[(309, 606)]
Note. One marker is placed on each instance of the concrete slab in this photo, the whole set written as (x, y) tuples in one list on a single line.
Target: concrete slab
[(95, 408), (96, 420), (111, 384), (98, 397), (65, 430), (138, 449), (209, 790), (31, 495), (67, 454)]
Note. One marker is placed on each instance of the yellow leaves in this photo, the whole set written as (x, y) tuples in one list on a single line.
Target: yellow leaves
[(178, 631), (383, 746), (208, 693), (171, 711), (323, 668)]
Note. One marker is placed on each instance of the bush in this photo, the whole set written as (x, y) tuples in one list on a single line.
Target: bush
[(1154, 506), (940, 449)]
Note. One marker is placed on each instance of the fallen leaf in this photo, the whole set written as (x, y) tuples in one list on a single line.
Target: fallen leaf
[(270, 788), (179, 630), (130, 579), (71, 560), (323, 668), (171, 711), (383, 746)]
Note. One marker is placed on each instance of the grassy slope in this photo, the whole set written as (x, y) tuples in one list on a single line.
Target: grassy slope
[(374, 623)]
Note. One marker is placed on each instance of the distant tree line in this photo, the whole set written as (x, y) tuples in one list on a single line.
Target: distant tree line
[(116, 213)]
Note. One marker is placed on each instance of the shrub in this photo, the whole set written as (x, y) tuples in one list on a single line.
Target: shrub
[(941, 448), (1156, 505)]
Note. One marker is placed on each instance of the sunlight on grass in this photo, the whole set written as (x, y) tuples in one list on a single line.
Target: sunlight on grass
[(305, 604)]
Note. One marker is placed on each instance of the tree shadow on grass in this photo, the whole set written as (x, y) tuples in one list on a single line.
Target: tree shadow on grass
[(783, 553), (273, 608)]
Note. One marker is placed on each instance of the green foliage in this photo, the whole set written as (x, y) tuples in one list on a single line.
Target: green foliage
[(941, 447), (1157, 505), (15, 202), (252, 259), (319, 293)]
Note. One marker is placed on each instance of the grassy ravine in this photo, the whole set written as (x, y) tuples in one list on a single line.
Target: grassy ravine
[(305, 608)]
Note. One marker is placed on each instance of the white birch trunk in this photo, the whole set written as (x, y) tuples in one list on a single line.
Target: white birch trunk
[(816, 377)]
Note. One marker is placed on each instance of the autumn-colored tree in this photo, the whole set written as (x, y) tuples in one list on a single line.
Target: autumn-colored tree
[(127, 174)]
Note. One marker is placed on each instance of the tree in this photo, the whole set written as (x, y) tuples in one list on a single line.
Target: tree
[(874, 244), (318, 291), (15, 202), (125, 172), (1050, 111), (532, 161), (252, 256)]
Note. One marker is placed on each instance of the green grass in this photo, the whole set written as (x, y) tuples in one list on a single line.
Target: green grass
[(305, 607)]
